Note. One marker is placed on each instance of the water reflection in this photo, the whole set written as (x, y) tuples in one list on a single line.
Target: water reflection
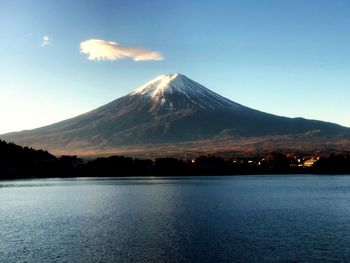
[(206, 219)]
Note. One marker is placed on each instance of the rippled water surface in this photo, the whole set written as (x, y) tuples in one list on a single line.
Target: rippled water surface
[(207, 219)]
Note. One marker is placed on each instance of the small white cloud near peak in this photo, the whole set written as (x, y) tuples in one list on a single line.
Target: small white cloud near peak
[(45, 41), (98, 49)]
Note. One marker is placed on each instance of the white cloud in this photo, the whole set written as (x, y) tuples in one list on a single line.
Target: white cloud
[(98, 49), (45, 41)]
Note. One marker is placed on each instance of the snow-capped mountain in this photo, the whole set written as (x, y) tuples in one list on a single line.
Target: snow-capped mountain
[(169, 109), (164, 91)]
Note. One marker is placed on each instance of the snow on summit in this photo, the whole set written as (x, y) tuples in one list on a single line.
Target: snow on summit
[(161, 84), (169, 84)]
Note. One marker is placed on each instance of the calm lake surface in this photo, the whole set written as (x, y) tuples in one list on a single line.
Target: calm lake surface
[(296, 218)]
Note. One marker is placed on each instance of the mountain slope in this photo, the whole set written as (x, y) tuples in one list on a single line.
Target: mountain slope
[(169, 109)]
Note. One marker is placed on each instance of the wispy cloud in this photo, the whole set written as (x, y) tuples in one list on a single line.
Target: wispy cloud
[(98, 49), (45, 41)]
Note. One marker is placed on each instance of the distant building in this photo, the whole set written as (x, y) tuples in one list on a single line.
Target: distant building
[(310, 162)]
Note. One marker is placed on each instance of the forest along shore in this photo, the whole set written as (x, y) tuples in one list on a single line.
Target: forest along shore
[(24, 162)]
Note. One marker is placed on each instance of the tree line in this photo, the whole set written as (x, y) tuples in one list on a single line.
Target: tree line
[(24, 162)]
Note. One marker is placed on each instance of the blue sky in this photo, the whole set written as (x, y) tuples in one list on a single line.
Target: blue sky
[(289, 58)]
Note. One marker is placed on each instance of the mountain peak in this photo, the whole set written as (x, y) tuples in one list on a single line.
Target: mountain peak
[(178, 91), (168, 83)]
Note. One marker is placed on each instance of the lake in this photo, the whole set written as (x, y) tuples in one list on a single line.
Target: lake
[(293, 218)]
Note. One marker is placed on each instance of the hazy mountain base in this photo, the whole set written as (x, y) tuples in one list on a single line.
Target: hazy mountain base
[(223, 147)]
